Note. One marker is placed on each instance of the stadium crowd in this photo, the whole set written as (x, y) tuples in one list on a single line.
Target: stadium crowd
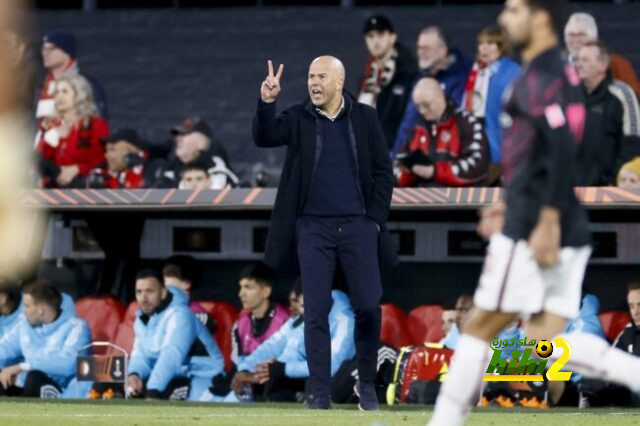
[(439, 110), (440, 114)]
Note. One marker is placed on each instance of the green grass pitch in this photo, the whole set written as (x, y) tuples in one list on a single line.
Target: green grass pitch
[(120, 413)]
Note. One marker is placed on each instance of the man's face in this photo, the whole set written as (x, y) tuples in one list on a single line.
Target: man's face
[(448, 319), (34, 312), (431, 104), (115, 153), (65, 97), (590, 67), (53, 57), (633, 299), (379, 43), (516, 19), (430, 50), (195, 179), (323, 83), (252, 294), (575, 36), (189, 146), (149, 294), (628, 179), (463, 307)]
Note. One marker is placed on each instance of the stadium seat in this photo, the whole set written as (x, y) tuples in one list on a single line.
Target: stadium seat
[(224, 315), (130, 315), (103, 314), (425, 324), (613, 322), (124, 334), (393, 330)]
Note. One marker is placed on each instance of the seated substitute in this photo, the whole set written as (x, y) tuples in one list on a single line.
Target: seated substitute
[(164, 335), (38, 355), (280, 363), (260, 317)]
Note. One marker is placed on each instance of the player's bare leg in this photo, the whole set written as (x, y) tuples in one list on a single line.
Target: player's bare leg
[(471, 358)]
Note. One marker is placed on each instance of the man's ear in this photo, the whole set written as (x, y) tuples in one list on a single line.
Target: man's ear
[(267, 291), (394, 38)]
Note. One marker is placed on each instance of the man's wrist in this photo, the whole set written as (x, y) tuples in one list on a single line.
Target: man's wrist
[(549, 216)]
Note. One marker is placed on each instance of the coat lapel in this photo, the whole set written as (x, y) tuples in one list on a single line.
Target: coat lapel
[(308, 145)]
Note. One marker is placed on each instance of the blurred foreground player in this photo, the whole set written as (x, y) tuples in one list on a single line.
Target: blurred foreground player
[(536, 262), (19, 227)]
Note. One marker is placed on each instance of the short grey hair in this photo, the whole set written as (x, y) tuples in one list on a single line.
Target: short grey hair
[(586, 19)]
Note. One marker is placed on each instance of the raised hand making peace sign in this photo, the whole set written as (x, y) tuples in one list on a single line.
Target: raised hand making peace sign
[(270, 88)]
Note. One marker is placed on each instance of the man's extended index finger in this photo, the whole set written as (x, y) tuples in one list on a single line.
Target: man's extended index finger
[(270, 64)]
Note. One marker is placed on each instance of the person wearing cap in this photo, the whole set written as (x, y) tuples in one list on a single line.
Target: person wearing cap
[(439, 60), (193, 142), (69, 144), (388, 74), (128, 163), (447, 147), (59, 50)]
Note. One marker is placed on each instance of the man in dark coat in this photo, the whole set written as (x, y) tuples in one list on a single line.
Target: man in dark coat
[(388, 75), (332, 205), (605, 147)]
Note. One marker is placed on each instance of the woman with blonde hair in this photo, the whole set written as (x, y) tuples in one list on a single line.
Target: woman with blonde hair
[(70, 143), (492, 74), (629, 175)]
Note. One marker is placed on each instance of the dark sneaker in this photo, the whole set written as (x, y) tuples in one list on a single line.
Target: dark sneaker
[(318, 404), (367, 395)]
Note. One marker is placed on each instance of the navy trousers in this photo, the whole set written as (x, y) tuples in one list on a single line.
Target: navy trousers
[(321, 242)]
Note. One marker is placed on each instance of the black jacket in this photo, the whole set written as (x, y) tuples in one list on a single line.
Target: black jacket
[(600, 153), (296, 128), (629, 340), (393, 98)]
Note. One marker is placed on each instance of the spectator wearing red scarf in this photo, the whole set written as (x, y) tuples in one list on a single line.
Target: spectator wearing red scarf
[(69, 143), (492, 74)]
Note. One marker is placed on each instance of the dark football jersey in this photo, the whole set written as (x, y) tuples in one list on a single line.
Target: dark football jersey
[(543, 121)]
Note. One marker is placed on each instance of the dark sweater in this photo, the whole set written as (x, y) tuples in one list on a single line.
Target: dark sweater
[(334, 190)]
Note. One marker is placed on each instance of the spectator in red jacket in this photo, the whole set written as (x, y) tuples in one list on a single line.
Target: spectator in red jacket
[(69, 143), (447, 148), (128, 164)]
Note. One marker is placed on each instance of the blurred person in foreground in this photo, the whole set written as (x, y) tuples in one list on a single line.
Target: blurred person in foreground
[(21, 228)]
